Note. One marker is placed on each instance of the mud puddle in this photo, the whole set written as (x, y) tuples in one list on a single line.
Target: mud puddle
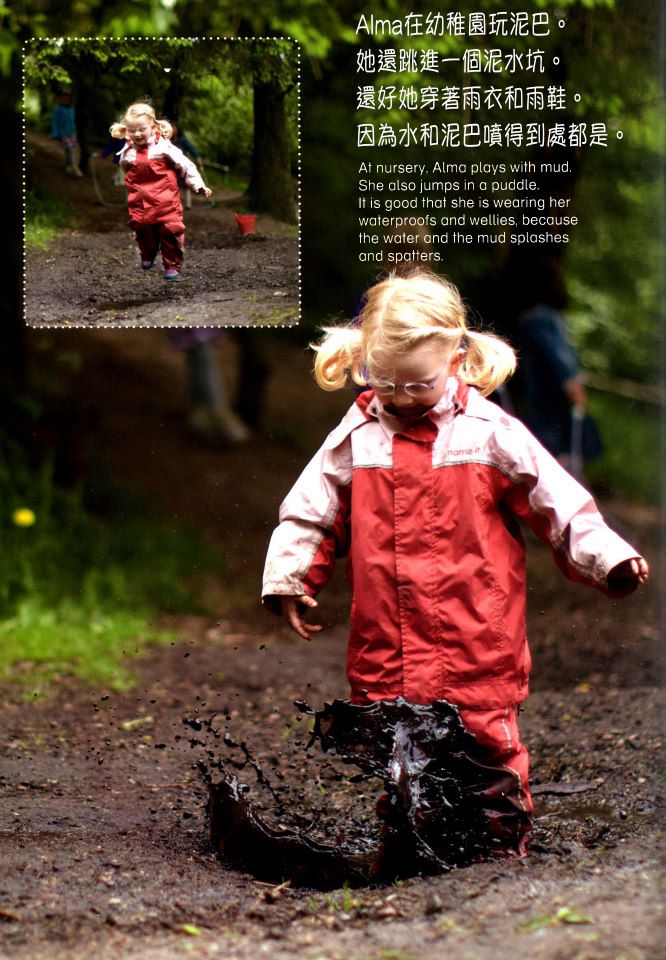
[(418, 800), (128, 304)]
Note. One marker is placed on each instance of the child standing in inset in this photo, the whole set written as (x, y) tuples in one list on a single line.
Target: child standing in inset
[(422, 485), (152, 165), (63, 128)]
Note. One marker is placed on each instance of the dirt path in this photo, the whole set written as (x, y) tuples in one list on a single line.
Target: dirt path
[(102, 812), (104, 838), (90, 275)]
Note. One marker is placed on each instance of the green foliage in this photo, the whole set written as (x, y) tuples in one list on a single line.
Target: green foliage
[(315, 24), (138, 19), (45, 214), (39, 643), (629, 467), (56, 62), (564, 915), (342, 900), (614, 265), (268, 60), (77, 593), (218, 112), (206, 83)]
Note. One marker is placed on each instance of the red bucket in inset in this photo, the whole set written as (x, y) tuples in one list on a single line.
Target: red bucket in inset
[(246, 223)]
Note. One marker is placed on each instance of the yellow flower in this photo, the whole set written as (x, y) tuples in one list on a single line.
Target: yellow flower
[(23, 517)]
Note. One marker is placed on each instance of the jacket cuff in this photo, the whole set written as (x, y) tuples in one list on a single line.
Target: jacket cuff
[(273, 590)]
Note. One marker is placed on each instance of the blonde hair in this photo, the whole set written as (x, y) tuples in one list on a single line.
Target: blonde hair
[(118, 130), (401, 313)]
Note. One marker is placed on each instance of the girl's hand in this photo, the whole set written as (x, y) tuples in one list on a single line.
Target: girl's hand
[(206, 191), (626, 576), (294, 615)]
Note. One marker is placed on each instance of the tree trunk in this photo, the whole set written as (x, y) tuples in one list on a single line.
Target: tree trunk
[(271, 188), (173, 97), (82, 123), (84, 100), (254, 371)]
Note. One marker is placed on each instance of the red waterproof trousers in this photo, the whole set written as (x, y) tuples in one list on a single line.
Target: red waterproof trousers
[(509, 802), (165, 238)]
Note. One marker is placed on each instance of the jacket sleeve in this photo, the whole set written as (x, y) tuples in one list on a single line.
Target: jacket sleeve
[(314, 526), (561, 512), (187, 169)]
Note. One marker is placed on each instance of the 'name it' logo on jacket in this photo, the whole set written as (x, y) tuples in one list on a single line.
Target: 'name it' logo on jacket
[(464, 452)]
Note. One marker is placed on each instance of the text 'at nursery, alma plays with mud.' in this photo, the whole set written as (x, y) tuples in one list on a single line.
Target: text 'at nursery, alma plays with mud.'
[(422, 486)]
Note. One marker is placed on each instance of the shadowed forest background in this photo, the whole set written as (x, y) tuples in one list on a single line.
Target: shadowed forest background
[(612, 267), (129, 545)]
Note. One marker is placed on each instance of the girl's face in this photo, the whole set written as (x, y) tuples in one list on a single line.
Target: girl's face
[(410, 384), (139, 129)]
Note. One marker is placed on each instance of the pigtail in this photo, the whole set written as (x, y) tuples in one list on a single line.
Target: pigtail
[(118, 130), (488, 361), (165, 128), (338, 356)]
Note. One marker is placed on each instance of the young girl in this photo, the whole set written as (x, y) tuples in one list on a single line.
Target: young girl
[(152, 165), (422, 485)]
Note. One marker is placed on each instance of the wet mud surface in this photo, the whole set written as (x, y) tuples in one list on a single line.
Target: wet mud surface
[(442, 806), (90, 275), (104, 836)]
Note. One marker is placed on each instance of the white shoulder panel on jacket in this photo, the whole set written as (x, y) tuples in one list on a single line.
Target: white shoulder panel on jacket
[(484, 409), (351, 420)]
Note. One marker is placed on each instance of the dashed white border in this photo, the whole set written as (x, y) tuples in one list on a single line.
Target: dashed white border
[(165, 326)]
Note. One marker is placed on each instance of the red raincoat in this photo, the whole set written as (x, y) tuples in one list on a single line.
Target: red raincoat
[(151, 179), (427, 514)]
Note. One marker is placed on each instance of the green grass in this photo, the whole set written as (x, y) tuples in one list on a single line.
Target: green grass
[(40, 644), (45, 214), (231, 180), (630, 464), (79, 591)]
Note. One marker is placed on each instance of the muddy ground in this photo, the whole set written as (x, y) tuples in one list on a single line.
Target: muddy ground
[(103, 830), (90, 274)]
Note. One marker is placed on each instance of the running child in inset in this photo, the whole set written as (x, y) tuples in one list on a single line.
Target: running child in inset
[(152, 165), (422, 486)]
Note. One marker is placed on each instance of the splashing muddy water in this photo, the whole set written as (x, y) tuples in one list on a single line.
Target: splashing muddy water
[(441, 806)]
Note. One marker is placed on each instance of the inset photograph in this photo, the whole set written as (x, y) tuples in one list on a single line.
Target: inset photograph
[(161, 182)]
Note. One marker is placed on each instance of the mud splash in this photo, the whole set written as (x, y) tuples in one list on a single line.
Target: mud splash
[(442, 807)]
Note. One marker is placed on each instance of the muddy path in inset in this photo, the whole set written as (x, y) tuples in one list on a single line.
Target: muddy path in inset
[(103, 835), (90, 275)]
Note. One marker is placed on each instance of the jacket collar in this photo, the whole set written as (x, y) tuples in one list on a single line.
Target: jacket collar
[(153, 138), (453, 401)]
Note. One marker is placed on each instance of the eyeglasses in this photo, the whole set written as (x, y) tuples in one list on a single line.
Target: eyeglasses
[(416, 389)]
